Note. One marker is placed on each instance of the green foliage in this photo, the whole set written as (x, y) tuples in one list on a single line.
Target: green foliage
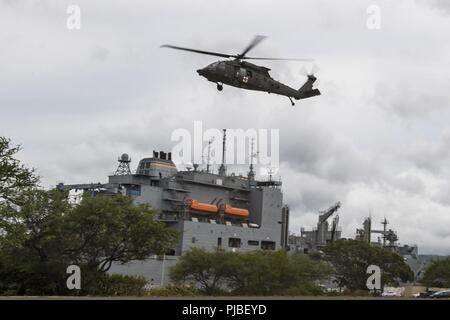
[(45, 234), (350, 259), (437, 274), (120, 285), (32, 243), (205, 269), (356, 293), (274, 273), (41, 234), (14, 177), (252, 273), (114, 229)]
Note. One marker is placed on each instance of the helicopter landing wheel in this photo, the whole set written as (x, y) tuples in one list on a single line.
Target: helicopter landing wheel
[(219, 87), (292, 102)]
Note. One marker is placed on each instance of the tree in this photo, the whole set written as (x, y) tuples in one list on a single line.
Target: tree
[(275, 273), (249, 273), (14, 177), (207, 270), (108, 229), (437, 274), (32, 243), (350, 259), (46, 233)]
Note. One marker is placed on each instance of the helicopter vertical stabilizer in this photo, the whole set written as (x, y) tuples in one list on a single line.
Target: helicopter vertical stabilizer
[(306, 90)]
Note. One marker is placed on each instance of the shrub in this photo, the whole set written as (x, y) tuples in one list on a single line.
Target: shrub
[(121, 285)]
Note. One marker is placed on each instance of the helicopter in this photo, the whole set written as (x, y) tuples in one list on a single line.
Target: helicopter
[(242, 74)]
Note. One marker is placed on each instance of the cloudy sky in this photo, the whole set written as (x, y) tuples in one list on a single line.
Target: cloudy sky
[(377, 139)]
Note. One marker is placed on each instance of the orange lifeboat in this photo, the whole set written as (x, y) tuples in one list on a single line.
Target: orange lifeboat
[(237, 212), (200, 206)]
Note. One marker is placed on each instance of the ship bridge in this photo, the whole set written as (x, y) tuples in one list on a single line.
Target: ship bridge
[(159, 166)]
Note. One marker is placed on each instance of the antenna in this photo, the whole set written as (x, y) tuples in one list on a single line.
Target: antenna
[(252, 154), (124, 165), (222, 169), (384, 223), (252, 144), (270, 172), (251, 173)]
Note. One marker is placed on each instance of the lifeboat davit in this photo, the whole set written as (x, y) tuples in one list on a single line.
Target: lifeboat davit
[(201, 206), (237, 212)]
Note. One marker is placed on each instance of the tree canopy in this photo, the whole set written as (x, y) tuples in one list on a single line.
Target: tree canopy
[(46, 233), (250, 273), (437, 274), (350, 259), (15, 178)]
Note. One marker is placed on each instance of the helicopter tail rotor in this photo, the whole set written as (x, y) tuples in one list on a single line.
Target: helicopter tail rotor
[(314, 69), (306, 90)]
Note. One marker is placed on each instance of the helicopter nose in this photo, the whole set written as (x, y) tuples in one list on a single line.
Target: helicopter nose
[(201, 72)]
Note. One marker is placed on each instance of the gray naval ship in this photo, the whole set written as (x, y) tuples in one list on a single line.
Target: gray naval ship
[(209, 210)]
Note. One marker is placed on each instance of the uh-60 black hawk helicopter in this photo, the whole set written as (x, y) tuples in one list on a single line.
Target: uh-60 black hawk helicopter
[(245, 75)]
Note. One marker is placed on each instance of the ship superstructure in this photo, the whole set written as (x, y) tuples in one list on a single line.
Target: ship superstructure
[(209, 210)]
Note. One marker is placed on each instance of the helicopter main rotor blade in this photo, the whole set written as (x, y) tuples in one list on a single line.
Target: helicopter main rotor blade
[(256, 40), (281, 59), (200, 51)]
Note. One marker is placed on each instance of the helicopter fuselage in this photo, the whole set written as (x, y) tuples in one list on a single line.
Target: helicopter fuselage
[(245, 75)]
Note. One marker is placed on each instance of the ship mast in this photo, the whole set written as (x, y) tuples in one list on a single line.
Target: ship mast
[(223, 169), (251, 173)]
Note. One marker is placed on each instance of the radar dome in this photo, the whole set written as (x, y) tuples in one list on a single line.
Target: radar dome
[(125, 157)]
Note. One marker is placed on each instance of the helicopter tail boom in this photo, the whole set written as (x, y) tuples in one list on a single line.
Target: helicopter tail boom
[(306, 90)]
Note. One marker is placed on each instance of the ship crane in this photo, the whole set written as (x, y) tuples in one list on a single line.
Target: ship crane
[(326, 214), (322, 225), (334, 228)]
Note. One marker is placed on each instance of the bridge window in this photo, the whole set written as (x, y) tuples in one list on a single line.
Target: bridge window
[(170, 252), (213, 65), (268, 245), (134, 190), (234, 242)]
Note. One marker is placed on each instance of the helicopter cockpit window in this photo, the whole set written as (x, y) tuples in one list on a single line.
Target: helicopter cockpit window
[(242, 72), (213, 65), (249, 73)]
